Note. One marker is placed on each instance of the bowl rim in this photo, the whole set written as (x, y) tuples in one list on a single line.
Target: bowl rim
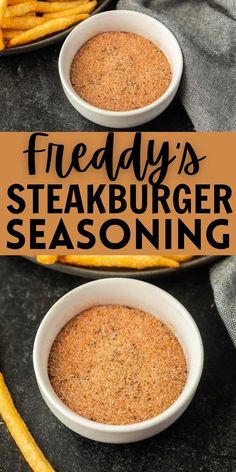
[(176, 74), (183, 399)]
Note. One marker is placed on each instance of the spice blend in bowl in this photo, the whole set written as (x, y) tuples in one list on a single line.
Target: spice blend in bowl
[(117, 365), (122, 292), (141, 29), (120, 71)]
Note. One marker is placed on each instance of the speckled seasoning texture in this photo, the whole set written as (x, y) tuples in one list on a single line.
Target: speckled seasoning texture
[(117, 365), (120, 71)]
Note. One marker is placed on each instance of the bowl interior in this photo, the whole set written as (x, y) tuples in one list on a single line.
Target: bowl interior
[(121, 291), (121, 20)]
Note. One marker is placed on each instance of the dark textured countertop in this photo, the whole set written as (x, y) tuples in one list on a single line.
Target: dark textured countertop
[(203, 439)]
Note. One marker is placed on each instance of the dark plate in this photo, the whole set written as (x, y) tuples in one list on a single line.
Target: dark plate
[(53, 38), (95, 273)]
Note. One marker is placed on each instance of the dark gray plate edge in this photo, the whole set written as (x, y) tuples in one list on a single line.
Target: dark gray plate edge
[(41, 43), (94, 273)]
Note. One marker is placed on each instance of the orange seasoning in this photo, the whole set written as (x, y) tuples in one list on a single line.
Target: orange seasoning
[(117, 365), (120, 71)]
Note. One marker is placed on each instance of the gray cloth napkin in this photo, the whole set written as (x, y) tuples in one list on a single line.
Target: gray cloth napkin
[(223, 281), (206, 31)]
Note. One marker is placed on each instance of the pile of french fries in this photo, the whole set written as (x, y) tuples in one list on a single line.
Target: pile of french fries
[(128, 262), (25, 21)]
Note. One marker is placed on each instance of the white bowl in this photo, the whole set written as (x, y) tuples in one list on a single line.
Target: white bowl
[(133, 293), (133, 22)]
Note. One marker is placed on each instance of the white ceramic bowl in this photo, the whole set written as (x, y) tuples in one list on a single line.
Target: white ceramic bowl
[(133, 22), (133, 293)]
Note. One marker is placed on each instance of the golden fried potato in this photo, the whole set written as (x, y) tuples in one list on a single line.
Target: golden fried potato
[(76, 1), (180, 258), (8, 34), (22, 22), (2, 44), (84, 8), (131, 262), (15, 2), (47, 259), (48, 27), (21, 9), (3, 7), (20, 433), (47, 7)]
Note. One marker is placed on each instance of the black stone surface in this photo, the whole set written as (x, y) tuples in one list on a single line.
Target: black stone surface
[(203, 439)]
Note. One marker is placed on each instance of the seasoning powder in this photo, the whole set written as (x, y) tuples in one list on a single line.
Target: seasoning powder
[(117, 365), (120, 71)]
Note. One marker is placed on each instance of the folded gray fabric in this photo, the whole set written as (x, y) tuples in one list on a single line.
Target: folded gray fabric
[(223, 281), (206, 31)]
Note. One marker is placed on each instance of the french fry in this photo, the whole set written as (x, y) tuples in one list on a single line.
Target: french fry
[(15, 2), (21, 9), (46, 7), (2, 45), (22, 22), (47, 259), (180, 258), (79, 2), (49, 27), (86, 8), (132, 262), (8, 34), (20, 433), (3, 7)]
